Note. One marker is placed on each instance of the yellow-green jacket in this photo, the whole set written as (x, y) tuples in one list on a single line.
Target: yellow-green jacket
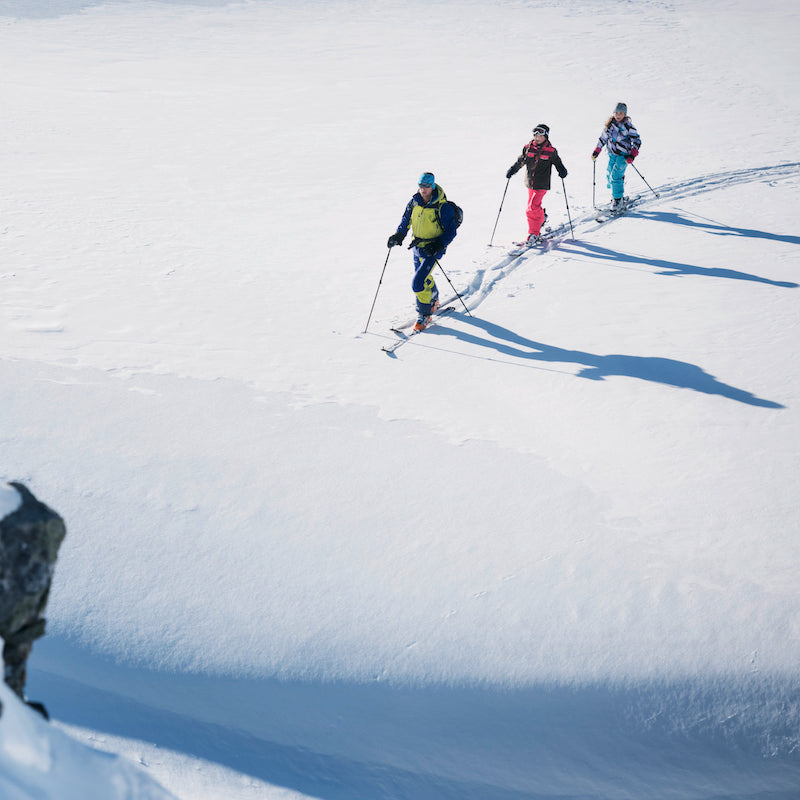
[(436, 220)]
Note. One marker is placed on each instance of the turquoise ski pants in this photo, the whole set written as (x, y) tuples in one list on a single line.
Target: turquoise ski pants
[(616, 174)]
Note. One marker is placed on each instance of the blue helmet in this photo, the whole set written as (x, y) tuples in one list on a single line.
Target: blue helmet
[(427, 178)]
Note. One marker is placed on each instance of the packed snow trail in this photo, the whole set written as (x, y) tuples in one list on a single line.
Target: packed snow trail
[(486, 278)]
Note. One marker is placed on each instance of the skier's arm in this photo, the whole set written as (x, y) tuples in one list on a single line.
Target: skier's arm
[(600, 143), (634, 140), (514, 168), (406, 220), (447, 217), (559, 165)]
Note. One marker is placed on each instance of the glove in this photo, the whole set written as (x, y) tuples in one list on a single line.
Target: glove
[(595, 153), (562, 174), (395, 238), (633, 155), (512, 171), (433, 247)]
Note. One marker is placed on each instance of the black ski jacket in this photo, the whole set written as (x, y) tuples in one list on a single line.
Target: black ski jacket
[(539, 161)]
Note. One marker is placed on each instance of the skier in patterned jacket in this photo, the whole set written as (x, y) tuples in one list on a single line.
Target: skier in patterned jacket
[(539, 156), (433, 224), (622, 141)]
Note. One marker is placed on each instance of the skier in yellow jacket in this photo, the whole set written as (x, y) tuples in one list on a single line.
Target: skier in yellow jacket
[(433, 224)]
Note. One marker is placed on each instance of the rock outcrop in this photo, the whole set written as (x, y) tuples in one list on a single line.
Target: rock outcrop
[(30, 538)]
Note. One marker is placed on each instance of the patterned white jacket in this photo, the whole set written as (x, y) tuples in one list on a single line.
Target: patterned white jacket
[(620, 137)]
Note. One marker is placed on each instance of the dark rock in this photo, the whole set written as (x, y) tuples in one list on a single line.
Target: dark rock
[(29, 542)]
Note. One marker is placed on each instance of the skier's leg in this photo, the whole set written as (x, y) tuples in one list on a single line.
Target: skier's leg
[(423, 285), (616, 175), (534, 210)]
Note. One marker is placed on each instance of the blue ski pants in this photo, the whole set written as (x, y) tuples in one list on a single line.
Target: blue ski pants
[(423, 284), (616, 174)]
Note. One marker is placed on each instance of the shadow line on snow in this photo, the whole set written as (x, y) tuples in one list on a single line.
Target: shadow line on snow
[(713, 226), (654, 369), (669, 268), (478, 290), (318, 775), (733, 738), (298, 768)]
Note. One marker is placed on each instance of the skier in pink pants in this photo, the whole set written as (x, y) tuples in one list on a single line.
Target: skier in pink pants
[(539, 157)]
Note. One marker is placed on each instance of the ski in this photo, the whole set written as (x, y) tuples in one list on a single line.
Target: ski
[(402, 326), (390, 348), (608, 214), (549, 235), (522, 247)]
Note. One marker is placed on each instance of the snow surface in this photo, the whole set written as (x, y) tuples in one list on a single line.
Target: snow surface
[(10, 500), (550, 548), (39, 761)]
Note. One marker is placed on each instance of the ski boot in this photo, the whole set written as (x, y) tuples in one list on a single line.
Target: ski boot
[(422, 322)]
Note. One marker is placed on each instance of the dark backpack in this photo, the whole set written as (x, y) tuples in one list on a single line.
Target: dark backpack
[(457, 211)]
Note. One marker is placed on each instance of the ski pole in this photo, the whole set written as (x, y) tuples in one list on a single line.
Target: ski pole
[(569, 216), (643, 178), (378, 289), (594, 180), (458, 294), (498, 213)]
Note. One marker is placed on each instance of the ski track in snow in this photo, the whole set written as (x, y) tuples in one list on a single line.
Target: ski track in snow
[(487, 278)]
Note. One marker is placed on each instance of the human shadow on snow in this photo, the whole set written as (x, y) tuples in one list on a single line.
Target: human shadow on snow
[(714, 227), (667, 371), (670, 268)]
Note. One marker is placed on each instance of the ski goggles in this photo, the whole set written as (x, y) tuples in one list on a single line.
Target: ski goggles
[(539, 132)]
